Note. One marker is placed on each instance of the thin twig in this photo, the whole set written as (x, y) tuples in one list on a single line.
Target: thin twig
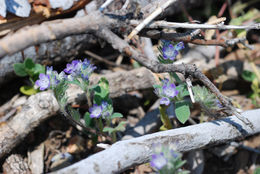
[(165, 24), (103, 6), (189, 37), (151, 17), (95, 56)]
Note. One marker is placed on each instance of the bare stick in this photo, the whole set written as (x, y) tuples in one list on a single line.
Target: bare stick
[(95, 56), (165, 24), (151, 17), (125, 154), (189, 37)]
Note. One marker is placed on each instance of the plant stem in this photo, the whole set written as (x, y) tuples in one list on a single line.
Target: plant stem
[(100, 124), (202, 117), (164, 117), (176, 77), (114, 136), (88, 98)]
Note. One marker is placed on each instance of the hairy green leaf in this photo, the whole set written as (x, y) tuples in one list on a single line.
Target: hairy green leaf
[(182, 111)]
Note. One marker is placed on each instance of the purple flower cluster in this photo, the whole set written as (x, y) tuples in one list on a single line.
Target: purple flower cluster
[(79, 69), (167, 92), (170, 51), (76, 69), (49, 80), (100, 110)]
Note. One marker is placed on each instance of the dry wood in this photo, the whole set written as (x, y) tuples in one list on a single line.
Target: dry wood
[(15, 164), (125, 154), (49, 31), (165, 24), (44, 105), (47, 53)]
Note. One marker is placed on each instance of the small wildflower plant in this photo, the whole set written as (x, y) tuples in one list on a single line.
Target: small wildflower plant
[(165, 160), (167, 90), (31, 69), (100, 108)]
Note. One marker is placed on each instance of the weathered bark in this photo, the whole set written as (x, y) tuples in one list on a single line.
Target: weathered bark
[(43, 105), (47, 53), (15, 164), (125, 154)]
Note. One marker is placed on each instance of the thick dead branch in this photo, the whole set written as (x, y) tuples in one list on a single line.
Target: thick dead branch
[(44, 105), (47, 53), (125, 154), (49, 31)]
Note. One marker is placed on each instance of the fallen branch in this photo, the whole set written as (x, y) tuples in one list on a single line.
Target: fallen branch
[(43, 105), (165, 24), (49, 31), (125, 154), (47, 53)]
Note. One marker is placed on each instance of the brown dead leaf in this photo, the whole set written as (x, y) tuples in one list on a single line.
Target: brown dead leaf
[(45, 11)]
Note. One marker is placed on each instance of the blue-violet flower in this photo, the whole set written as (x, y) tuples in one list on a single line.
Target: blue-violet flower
[(169, 52), (96, 111), (167, 92), (80, 69), (158, 161), (43, 82)]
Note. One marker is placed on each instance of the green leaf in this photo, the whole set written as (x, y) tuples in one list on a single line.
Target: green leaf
[(104, 83), (101, 94), (19, 69), (109, 130), (248, 75), (120, 126), (182, 111), (116, 115), (88, 120), (29, 64), (183, 90), (156, 86), (38, 69), (74, 113), (28, 90), (257, 170), (60, 94)]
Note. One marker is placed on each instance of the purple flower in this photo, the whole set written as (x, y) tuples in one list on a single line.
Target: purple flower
[(174, 154), (169, 52), (165, 101), (96, 111), (179, 46), (169, 90), (158, 161), (43, 82), (80, 69)]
